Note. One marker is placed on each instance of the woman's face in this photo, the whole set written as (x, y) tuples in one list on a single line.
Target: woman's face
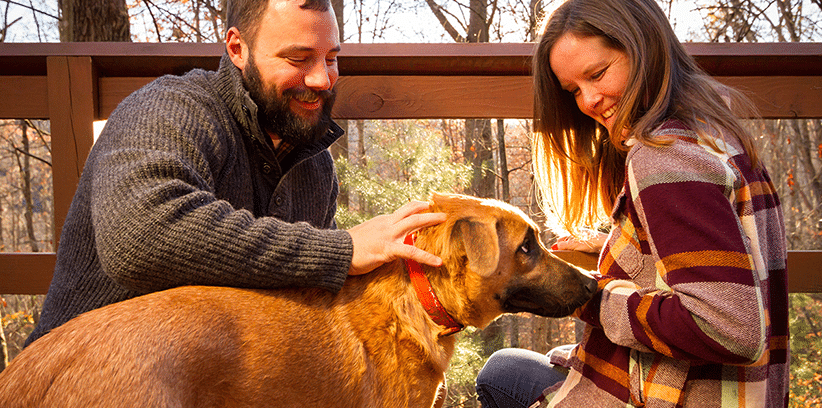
[(594, 73)]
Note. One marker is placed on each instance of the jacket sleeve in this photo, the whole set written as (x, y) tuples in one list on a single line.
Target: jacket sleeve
[(159, 224), (704, 302)]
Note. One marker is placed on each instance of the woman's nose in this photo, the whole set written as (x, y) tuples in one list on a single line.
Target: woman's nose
[(588, 99)]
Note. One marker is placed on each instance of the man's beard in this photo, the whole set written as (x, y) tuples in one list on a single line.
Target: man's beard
[(276, 116)]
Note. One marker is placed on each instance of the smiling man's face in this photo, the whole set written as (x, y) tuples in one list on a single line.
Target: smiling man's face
[(291, 70)]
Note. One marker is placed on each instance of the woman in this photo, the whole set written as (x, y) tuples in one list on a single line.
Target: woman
[(692, 307)]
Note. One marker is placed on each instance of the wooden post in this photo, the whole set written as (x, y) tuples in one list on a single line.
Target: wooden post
[(72, 90)]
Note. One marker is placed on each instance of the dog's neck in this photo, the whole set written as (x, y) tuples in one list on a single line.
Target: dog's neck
[(407, 337), (428, 298)]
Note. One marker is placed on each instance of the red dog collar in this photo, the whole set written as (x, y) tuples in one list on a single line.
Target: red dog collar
[(428, 298)]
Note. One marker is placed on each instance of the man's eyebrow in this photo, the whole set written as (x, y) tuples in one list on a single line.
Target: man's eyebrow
[(301, 48), (291, 49)]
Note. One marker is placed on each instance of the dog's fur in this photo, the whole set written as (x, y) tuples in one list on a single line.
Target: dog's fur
[(370, 345)]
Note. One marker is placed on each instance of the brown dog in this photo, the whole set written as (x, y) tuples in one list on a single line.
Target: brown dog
[(370, 345)]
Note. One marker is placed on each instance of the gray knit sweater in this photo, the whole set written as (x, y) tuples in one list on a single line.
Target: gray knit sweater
[(182, 188)]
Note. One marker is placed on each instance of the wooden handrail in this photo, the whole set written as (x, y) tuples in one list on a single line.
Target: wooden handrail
[(483, 59), (73, 84)]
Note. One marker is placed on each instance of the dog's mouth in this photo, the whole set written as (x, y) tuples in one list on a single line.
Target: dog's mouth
[(538, 303)]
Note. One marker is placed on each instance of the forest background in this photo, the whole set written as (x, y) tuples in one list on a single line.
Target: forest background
[(383, 164)]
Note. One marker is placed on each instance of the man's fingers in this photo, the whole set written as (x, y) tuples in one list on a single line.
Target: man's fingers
[(411, 207), (416, 254), (416, 221), (380, 239)]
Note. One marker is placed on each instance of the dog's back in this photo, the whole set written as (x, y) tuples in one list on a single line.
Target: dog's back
[(370, 345), (204, 347), (108, 354)]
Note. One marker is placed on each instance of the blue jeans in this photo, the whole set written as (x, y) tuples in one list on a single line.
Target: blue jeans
[(515, 378)]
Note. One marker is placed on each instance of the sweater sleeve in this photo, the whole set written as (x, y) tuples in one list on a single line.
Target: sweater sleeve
[(159, 223), (702, 300)]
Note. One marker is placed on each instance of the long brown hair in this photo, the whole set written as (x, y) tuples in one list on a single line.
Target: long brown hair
[(665, 82)]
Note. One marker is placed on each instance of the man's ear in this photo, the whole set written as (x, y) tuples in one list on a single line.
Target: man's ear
[(236, 47)]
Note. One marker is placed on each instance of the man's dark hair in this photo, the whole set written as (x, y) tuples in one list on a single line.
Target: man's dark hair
[(245, 15)]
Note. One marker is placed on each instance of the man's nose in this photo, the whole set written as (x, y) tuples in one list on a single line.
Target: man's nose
[(320, 76)]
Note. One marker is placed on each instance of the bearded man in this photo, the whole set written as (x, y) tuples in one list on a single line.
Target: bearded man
[(223, 177)]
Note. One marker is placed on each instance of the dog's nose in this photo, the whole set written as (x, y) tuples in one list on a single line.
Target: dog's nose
[(591, 286)]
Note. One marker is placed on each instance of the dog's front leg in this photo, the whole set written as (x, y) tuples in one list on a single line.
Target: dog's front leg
[(442, 392)]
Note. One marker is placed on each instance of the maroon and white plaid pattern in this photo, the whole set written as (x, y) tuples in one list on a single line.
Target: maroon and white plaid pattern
[(693, 305)]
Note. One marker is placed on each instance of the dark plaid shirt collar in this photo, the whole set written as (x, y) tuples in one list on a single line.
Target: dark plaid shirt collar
[(282, 150)]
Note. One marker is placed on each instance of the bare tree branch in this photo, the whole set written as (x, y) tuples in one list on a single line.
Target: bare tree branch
[(153, 19), (40, 134), (32, 9), (36, 21), (439, 12), (25, 153), (175, 16), (4, 30), (214, 14), (786, 15)]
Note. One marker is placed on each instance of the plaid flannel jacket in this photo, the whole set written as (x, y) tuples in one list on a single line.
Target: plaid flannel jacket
[(693, 305)]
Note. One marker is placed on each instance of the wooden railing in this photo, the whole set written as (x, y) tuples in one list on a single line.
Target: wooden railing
[(74, 84)]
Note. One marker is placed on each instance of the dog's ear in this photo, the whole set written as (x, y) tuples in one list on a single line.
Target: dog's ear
[(481, 245)]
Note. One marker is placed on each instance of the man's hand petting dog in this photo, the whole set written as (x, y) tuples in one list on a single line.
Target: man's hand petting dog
[(380, 239)]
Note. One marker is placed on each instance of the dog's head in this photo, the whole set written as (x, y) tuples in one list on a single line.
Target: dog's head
[(495, 263)]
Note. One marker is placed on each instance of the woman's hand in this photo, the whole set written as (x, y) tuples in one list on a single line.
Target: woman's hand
[(589, 242)]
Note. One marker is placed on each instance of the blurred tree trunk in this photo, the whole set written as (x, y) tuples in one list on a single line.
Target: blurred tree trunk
[(4, 346), (340, 147), (505, 182), (2, 240), (534, 14), (94, 20), (478, 133), (478, 142), (479, 138), (23, 155), (217, 16), (361, 160)]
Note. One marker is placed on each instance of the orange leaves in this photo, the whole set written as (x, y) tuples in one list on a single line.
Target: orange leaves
[(19, 316), (790, 180)]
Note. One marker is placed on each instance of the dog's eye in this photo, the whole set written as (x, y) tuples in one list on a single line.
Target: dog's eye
[(526, 247)]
